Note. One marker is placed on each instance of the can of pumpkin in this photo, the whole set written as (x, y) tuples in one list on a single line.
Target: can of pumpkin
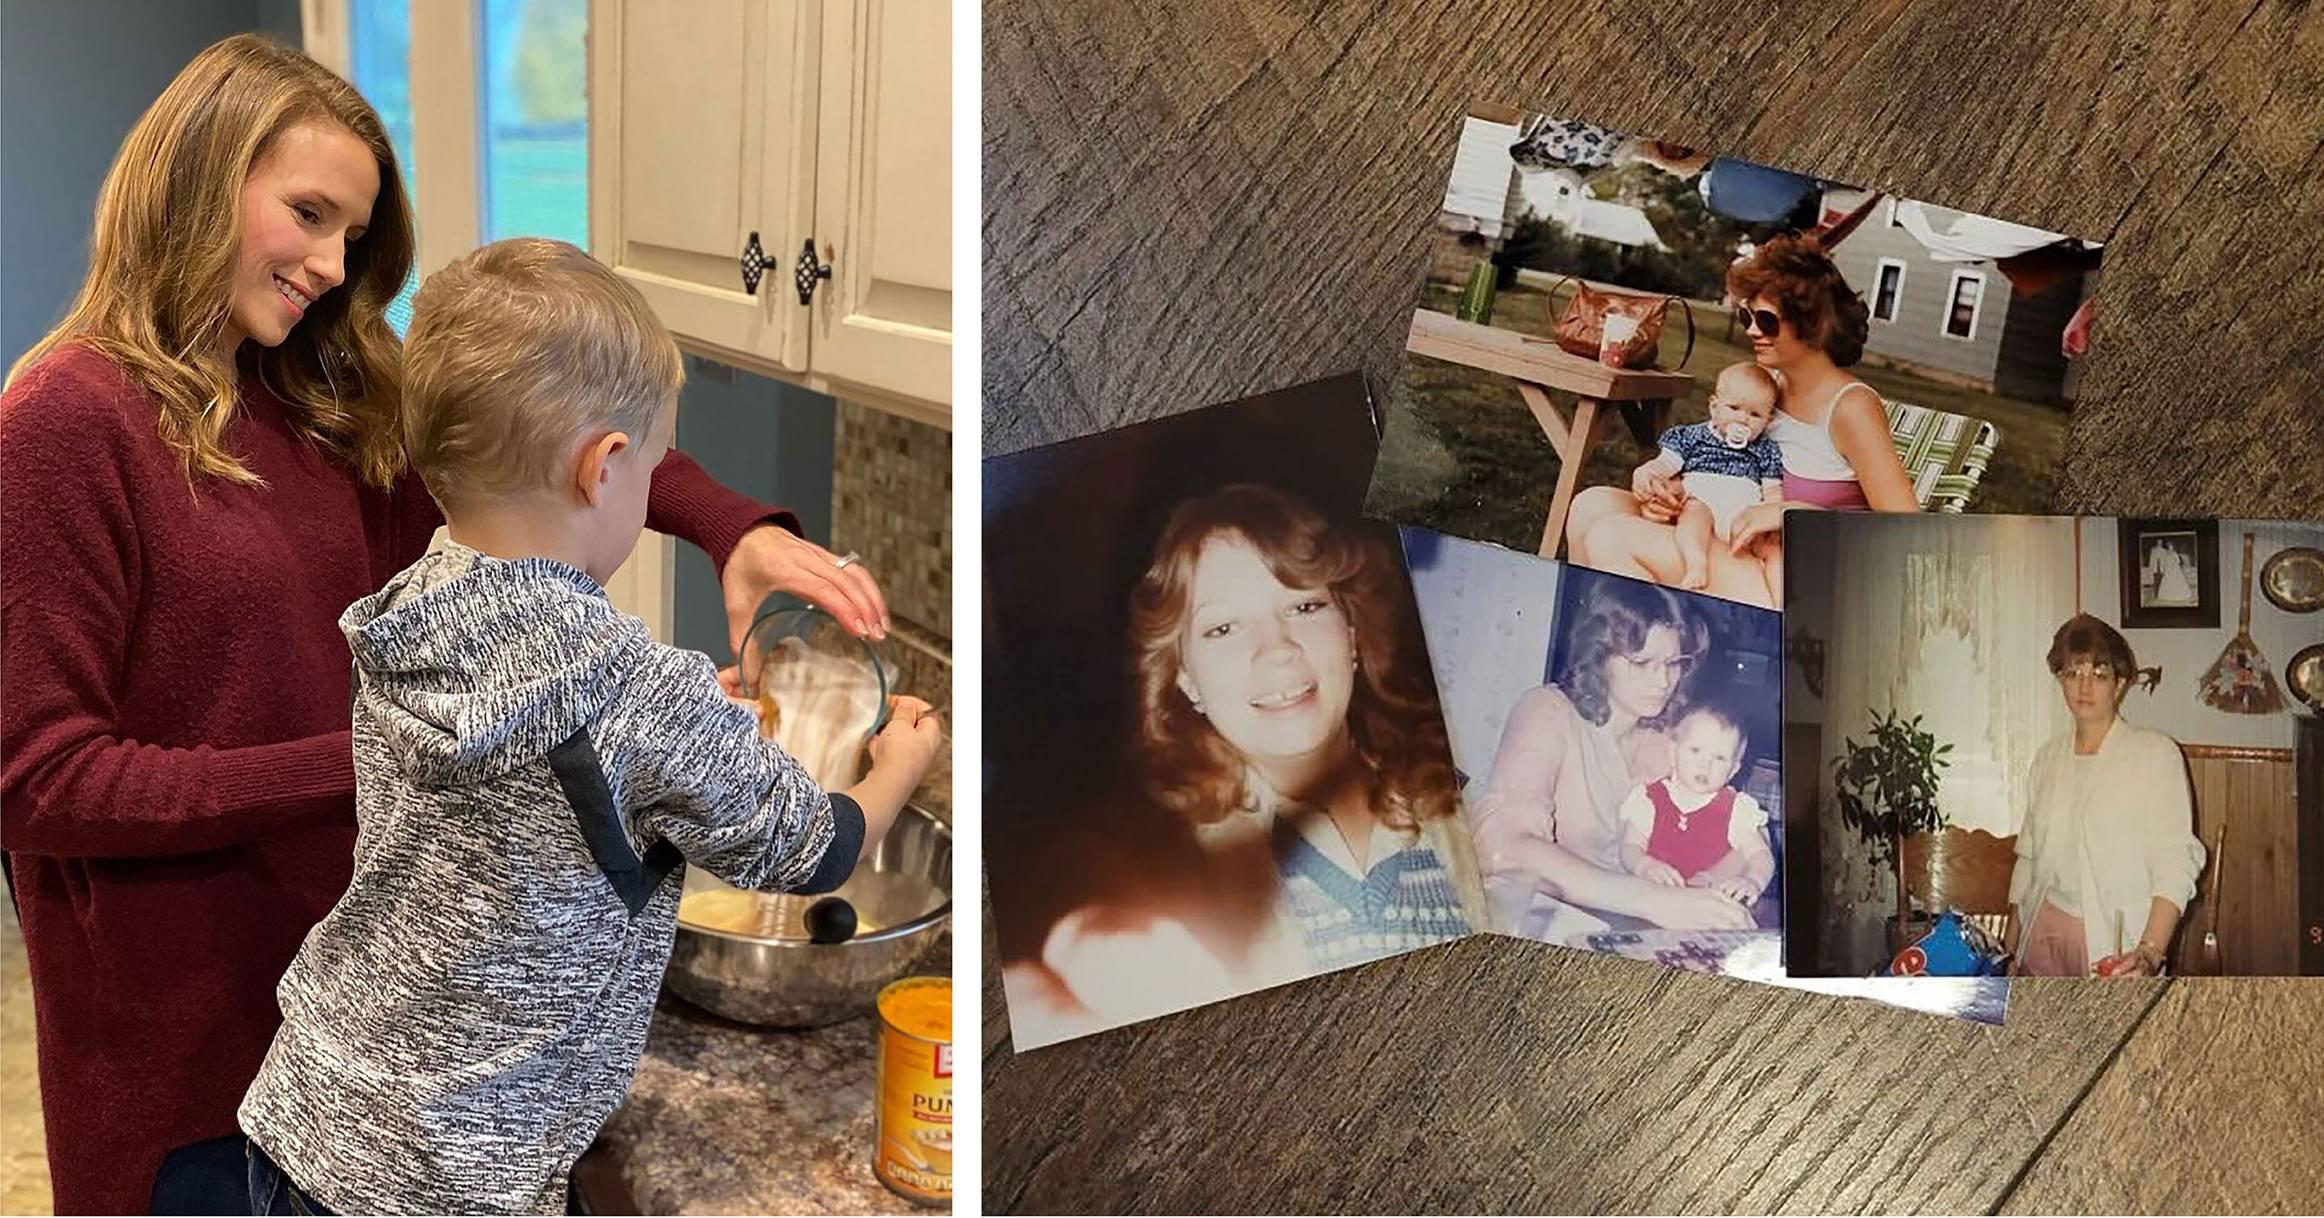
[(912, 1147)]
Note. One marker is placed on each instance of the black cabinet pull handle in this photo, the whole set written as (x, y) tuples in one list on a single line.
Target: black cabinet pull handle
[(810, 272), (754, 263)]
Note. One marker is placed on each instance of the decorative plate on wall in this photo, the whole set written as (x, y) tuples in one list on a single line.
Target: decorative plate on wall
[(2293, 579), (2305, 674)]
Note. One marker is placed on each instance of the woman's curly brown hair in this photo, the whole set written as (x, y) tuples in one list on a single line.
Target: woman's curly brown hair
[(1808, 289), (1393, 714), (1614, 622)]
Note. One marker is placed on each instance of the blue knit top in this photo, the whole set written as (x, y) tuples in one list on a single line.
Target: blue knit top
[(1407, 901)]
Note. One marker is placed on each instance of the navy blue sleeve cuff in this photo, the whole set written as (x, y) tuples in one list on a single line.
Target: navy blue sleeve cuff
[(838, 860)]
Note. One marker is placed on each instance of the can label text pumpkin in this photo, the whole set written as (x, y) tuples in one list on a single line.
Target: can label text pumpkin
[(912, 1153)]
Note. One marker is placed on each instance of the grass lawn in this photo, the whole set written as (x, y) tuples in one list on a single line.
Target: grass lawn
[(1463, 456)]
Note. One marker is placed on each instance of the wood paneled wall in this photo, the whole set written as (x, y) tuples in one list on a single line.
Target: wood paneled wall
[(2257, 886)]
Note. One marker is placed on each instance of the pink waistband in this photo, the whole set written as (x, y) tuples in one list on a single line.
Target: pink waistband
[(1840, 496)]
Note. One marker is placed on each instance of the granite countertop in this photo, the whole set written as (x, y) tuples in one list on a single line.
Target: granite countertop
[(726, 1118)]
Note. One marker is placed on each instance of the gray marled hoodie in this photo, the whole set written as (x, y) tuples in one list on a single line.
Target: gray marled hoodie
[(529, 766)]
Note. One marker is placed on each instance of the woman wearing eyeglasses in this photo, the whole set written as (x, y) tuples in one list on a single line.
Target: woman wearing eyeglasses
[(2106, 855), (1807, 327), (1548, 819)]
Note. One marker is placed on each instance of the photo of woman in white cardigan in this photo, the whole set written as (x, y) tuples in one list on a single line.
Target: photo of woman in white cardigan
[(2107, 855)]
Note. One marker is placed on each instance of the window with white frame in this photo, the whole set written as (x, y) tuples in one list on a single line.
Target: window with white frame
[(1888, 290), (376, 57), (495, 92), (1962, 304)]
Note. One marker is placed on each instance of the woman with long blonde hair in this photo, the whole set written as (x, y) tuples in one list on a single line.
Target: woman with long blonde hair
[(199, 469)]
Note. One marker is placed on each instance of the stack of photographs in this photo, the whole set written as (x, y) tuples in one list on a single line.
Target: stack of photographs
[(1679, 604)]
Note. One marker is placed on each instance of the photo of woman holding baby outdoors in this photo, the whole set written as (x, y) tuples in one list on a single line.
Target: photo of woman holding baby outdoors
[(202, 465), (1640, 357), (1804, 432)]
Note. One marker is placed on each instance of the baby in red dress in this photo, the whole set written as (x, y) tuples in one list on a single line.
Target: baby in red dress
[(1693, 830)]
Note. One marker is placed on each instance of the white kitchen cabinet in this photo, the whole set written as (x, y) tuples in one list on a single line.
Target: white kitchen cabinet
[(714, 122), (883, 196)]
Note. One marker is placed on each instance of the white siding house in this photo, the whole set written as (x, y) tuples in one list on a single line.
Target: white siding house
[(1953, 321)]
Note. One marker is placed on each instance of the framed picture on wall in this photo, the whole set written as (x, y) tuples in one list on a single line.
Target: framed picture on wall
[(2170, 573)]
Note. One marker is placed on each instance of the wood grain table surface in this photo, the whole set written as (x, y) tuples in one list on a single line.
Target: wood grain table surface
[(1189, 202)]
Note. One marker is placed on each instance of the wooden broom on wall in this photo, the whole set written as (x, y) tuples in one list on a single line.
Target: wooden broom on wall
[(2239, 681)]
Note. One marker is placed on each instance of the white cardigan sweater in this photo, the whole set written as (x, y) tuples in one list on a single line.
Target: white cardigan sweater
[(2124, 837)]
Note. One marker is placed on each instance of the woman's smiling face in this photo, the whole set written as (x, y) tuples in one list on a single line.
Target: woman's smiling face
[(1639, 684), (307, 198), (1271, 666)]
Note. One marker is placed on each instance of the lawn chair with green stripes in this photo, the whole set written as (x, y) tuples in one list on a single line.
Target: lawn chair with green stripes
[(1944, 454)]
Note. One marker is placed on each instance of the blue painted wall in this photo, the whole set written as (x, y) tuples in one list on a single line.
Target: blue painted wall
[(762, 437), (74, 76)]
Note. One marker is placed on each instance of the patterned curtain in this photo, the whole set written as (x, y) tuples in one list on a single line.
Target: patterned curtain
[(1949, 618)]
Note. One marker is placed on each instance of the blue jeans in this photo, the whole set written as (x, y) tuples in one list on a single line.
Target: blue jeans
[(274, 1192)]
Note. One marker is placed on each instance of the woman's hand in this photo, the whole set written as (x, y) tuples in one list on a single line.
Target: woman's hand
[(1695, 909), (1737, 889), (2140, 961), (1755, 522), (1656, 871), (771, 558)]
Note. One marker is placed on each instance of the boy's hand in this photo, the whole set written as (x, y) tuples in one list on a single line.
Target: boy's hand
[(911, 738)]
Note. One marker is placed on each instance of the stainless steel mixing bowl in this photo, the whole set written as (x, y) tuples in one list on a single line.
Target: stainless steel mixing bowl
[(782, 980)]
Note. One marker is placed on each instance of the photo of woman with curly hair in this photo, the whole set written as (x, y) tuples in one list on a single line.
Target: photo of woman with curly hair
[(1282, 700), (1640, 358), (1807, 328), (1218, 758)]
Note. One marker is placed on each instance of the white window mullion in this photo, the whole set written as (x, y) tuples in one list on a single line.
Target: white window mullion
[(446, 194), (324, 28)]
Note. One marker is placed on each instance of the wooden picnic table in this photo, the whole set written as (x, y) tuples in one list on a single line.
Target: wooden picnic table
[(1539, 365)]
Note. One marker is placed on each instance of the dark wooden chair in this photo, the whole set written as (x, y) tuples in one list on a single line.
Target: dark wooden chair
[(1967, 870)]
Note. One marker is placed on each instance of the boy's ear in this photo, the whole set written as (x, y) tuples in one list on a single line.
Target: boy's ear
[(593, 470)]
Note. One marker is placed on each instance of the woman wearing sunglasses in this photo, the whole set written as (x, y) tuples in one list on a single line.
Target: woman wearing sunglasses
[(2107, 855), (1807, 327)]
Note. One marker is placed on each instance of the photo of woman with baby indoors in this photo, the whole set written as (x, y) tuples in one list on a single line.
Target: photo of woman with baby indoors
[(1248, 782), (1629, 781)]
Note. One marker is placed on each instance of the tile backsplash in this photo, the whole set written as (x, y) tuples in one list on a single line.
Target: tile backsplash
[(891, 501)]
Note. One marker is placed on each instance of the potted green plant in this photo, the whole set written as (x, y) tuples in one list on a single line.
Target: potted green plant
[(1887, 788)]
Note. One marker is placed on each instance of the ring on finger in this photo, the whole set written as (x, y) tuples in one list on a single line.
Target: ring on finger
[(848, 560)]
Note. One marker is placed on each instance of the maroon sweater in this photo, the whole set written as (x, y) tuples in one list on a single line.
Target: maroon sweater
[(176, 771)]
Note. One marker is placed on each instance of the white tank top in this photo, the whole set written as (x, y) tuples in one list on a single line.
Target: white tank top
[(1808, 451)]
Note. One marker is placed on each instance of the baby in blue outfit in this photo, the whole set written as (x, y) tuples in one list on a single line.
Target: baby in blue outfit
[(1726, 463)]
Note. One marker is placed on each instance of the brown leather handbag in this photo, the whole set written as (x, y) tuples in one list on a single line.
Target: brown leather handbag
[(1581, 328)]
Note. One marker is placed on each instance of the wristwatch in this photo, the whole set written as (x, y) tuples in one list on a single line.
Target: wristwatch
[(2151, 954)]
